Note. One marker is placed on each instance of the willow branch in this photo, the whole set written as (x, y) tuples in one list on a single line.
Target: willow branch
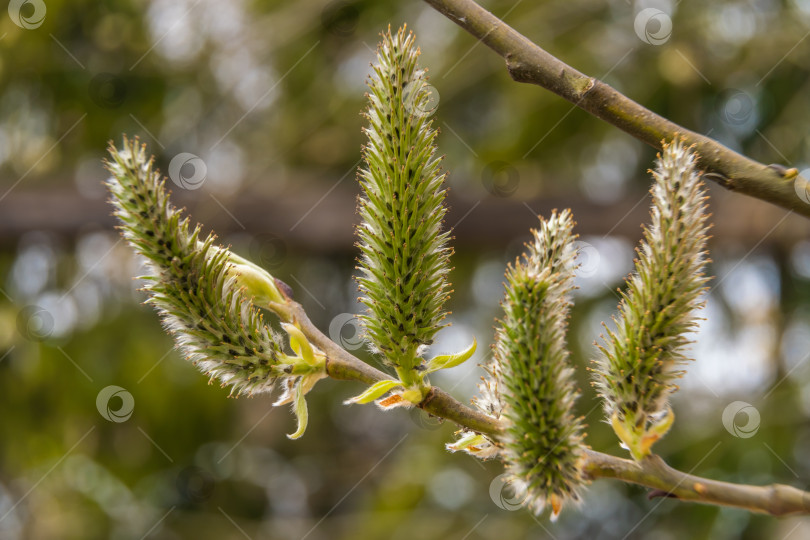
[(652, 472), (528, 63)]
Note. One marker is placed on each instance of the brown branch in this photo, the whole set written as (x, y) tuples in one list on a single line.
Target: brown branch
[(652, 472), (529, 63)]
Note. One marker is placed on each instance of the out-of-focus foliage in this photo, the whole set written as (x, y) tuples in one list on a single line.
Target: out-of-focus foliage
[(267, 95)]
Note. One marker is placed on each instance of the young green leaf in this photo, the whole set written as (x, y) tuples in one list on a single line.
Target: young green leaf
[(451, 360), (301, 412), (299, 343), (468, 441), (375, 391)]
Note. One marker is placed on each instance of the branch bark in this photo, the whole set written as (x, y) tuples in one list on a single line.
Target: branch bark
[(528, 63), (652, 472)]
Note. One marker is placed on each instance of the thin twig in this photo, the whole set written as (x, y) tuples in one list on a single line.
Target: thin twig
[(342, 365), (528, 63)]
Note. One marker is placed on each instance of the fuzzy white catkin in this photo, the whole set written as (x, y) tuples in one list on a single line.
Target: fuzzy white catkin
[(204, 293), (530, 385)]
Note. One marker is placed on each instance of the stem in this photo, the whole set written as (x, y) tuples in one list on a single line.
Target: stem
[(528, 63), (342, 365), (651, 472)]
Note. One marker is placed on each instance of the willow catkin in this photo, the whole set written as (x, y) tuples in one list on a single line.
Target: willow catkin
[(530, 385), (639, 362), (204, 293), (405, 253)]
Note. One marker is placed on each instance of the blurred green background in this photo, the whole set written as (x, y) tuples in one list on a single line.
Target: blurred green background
[(265, 97)]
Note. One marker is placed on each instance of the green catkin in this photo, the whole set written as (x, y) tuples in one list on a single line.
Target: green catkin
[(530, 385), (201, 289), (405, 254), (638, 362)]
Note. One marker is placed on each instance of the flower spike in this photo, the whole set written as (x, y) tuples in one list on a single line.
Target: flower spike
[(405, 253), (638, 362), (204, 293), (531, 386)]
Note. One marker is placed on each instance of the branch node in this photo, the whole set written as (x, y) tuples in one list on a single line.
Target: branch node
[(784, 172)]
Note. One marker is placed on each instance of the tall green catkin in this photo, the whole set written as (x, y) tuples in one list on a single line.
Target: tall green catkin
[(638, 363), (203, 292), (531, 385), (405, 254)]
